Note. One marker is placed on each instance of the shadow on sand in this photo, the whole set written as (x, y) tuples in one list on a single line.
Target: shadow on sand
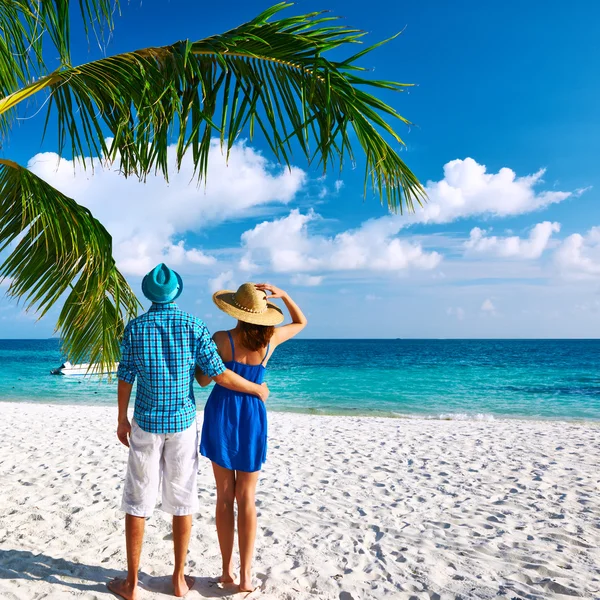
[(21, 564)]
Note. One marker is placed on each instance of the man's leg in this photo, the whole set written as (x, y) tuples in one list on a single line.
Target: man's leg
[(180, 497), (182, 529), (134, 535), (139, 498)]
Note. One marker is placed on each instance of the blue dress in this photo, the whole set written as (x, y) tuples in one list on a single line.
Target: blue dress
[(234, 432)]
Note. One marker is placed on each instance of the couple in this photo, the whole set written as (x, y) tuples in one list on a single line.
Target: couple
[(164, 349)]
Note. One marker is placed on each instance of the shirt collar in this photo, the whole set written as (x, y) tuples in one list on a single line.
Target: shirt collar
[(166, 306)]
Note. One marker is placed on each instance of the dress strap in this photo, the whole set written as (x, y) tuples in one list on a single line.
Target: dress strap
[(266, 354), (232, 346)]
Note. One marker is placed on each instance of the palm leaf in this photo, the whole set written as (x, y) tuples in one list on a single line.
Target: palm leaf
[(59, 251), (26, 26), (266, 75)]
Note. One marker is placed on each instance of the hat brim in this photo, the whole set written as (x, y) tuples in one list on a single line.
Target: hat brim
[(162, 299), (272, 316)]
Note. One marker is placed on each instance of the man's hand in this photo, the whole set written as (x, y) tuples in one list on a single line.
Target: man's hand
[(124, 431), (264, 392)]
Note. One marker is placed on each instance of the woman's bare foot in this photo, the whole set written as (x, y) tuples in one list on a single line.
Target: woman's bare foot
[(123, 588), (246, 584), (227, 578), (181, 586)]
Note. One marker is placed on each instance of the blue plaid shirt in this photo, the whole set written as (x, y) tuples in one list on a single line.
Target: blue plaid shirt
[(161, 348)]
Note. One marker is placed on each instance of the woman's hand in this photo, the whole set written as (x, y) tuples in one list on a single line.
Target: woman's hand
[(273, 292)]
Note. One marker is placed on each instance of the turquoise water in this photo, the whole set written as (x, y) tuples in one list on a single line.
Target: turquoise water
[(549, 379)]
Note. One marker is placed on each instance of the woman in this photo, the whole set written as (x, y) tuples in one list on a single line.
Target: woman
[(234, 433)]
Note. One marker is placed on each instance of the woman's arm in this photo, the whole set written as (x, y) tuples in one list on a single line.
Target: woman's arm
[(299, 321)]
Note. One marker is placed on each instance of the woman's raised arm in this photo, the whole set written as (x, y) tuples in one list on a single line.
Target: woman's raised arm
[(299, 321)]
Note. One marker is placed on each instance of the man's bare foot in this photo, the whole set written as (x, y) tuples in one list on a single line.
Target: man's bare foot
[(123, 588), (182, 586)]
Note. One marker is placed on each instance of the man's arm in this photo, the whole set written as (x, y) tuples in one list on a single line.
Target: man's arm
[(232, 381), (202, 379), (124, 426), (126, 376), (235, 382)]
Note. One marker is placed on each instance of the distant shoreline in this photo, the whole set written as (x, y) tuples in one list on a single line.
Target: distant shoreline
[(348, 413)]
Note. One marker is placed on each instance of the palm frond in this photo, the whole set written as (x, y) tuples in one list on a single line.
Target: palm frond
[(26, 28), (59, 250), (267, 76)]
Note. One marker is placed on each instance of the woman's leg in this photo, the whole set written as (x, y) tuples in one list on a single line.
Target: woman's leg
[(225, 480), (245, 490)]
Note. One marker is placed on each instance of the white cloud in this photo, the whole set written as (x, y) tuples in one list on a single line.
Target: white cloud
[(488, 307), (457, 312), (513, 246), (287, 246), (307, 280), (147, 220), (372, 297), (578, 257), (467, 189), (339, 184), (222, 281)]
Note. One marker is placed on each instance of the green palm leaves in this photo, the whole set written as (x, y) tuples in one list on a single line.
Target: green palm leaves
[(59, 251), (269, 78)]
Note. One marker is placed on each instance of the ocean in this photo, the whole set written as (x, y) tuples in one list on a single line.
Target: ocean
[(447, 379)]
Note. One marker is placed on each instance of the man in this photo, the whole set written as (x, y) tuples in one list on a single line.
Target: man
[(161, 349)]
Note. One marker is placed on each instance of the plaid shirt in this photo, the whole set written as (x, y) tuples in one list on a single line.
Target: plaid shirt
[(161, 348)]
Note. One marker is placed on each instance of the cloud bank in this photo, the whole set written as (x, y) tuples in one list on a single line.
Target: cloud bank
[(513, 246), (287, 245), (468, 190), (145, 220), (578, 256)]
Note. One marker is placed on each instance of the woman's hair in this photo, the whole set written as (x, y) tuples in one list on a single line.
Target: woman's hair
[(254, 337)]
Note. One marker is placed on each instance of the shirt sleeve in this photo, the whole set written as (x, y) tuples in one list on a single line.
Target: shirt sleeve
[(126, 371), (207, 355)]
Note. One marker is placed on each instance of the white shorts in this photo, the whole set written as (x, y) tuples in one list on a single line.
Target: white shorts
[(170, 458)]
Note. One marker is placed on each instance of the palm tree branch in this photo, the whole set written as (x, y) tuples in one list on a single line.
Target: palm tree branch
[(57, 249), (265, 73)]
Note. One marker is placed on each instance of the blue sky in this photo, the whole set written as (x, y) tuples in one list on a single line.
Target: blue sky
[(504, 92)]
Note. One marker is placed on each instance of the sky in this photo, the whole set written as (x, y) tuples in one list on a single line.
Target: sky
[(505, 138)]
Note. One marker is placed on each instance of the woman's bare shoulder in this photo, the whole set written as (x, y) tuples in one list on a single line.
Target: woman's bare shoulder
[(221, 339)]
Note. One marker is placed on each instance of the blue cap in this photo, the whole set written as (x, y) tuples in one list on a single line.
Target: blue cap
[(162, 285)]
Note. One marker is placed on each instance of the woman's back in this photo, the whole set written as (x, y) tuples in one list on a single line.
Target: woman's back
[(249, 364)]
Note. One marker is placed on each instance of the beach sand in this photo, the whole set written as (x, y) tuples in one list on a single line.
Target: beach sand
[(348, 508)]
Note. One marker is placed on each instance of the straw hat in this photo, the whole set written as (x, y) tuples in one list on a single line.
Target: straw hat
[(248, 304)]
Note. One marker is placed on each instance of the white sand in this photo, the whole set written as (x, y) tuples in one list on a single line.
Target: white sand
[(348, 508)]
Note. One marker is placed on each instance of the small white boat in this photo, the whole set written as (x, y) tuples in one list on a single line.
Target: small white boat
[(82, 369)]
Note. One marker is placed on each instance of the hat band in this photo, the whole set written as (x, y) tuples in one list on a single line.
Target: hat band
[(246, 309)]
